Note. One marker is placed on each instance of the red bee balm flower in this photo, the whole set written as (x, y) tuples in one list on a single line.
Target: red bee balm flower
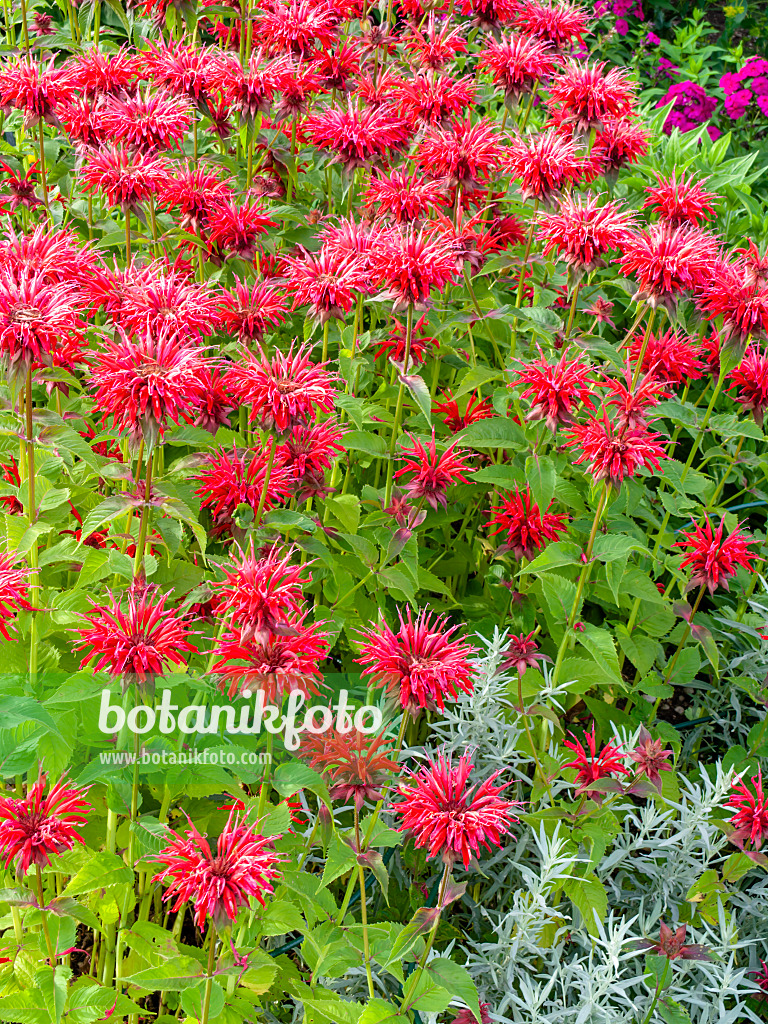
[(405, 197), (356, 138), (522, 653), (465, 154), (591, 766), (734, 292), (650, 757), (38, 827), (251, 313), (555, 389), (527, 529), (261, 593), (324, 282), (682, 201), (411, 264), (668, 261), (13, 586), (518, 63), (218, 885), (714, 559), (126, 177), (751, 817), (356, 764), (420, 659), (434, 473), (139, 643), (615, 454), (582, 231), (751, 378), (670, 357), (35, 317), (449, 818), (558, 22), (545, 164), (229, 479), (584, 94)]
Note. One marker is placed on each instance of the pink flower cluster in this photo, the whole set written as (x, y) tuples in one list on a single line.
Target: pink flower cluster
[(621, 8), (741, 87), (692, 108)]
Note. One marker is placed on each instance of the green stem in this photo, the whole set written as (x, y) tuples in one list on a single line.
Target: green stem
[(265, 485), (521, 279), (44, 918), (209, 978), (141, 543), (413, 981), (34, 593), (641, 356), (363, 910), (398, 408), (25, 25), (731, 463), (43, 178), (524, 717), (657, 993), (676, 655), (324, 357)]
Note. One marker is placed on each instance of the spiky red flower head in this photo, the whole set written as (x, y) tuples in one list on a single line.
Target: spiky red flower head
[(138, 643), (339, 66), (145, 380), (126, 177), (583, 230), (38, 827), (234, 225), (751, 378), (325, 282), (753, 264), (147, 121), (296, 80), (584, 94), (36, 317), (619, 141), (434, 472), (282, 391), (733, 292), (395, 342), (411, 263), (615, 454), (356, 137), (668, 261), (669, 357), (680, 201), (357, 764), (53, 255), (463, 154), (632, 400), (21, 188), (215, 403), (251, 313), (555, 390), (490, 14), (218, 885), (517, 63), (449, 817), (558, 22), (544, 163), (181, 69), (229, 479), (650, 757), (96, 73), (522, 653), (168, 302), (591, 766), (438, 46), (195, 192), (284, 662), (420, 660), (751, 817), (404, 195), (433, 98), (260, 592), (527, 528), (27, 86), (714, 558), (309, 450), (297, 25), (477, 409), (13, 587)]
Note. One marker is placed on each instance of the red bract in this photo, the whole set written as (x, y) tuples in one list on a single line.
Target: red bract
[(339, 66), (591, 766), (544, 164), (296, 25), (583, 231), (218, 885), (517, 63), (35, 318), (668, 261), (138, 643), (127, 178), (296, 81), (260, 592), (672, 945), (145, 380), (651, 758), (356, 137), (250, 313), (420, 661), (403, 195), (168, 303), (714, 558), (680, 201), (50, 254), (555, 390), (215, 404), (282, 663), (283, 391), (751, 817), (309, 450), (394, 344), (584, 94), (558, 22), (751, 378), (615, 454), (434, 98), (410, 264), (357, 765), (632, 400), (38, 827), (229, 479), (26, 86), (182, 70), (434, 472), (464, 154), (522, 653), (527, 528), (22, 189), (448, 817), (148, 121), (324, 282), (669, 357), (477, 409), (13, 587)]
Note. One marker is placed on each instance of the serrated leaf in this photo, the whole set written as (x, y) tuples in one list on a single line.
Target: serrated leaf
[(541, 476)]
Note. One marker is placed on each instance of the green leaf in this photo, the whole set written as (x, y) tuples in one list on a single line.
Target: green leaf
[(640, 650), (346, 508), (561, 552), (610, 547), (105, 512), (559, 593), (102, 870), (20, 710), (95, 567), (672, 1012), (419, 390), (600, 645), (378, 1010), (174, 975), (192, 1000), (52, 986), (540, 474), (457, 980), (280, 917), (340, 859), (295, 775), (365, 441), (494, 432), (65, 905), (588, 895)]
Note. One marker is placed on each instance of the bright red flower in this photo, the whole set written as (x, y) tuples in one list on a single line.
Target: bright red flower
[(49, 254), (25, 85), (463, 154), (751, 378), (309, 450), (355, 763), (261, 592), (356, 137), (632, 401), (195, 192), (252, 313), (555, 390), (545, 163), (584, 94), (144, 380), (434, 472), (614, 454), (558, 22), (80, 118), (668, 262), (517, 63), (395, 342), (477, 409), (218, 885), (351, 238), (528, 529), (714, 558), (284, 391), (324, 282), (181, 69), (215, 402), (13, 589), (22, 189), (420, 660), (169, 303), (449, 818), (753, 264), (751, 817), (38, 827), (651, 758), (490, 14), (735, 293), (669, 357), (435, 48), (296, 81), (248, 90), (619, 141), (434, 97), (405, 196), (284, 662), (411, 264), (680, 201), (148, 121), (297, 25), (36, 317), (582, 230), (96, 73), (234, 225), (339, 66), (229, 479), (591, 766), (522, 653), (127, 178), (137, 644)]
